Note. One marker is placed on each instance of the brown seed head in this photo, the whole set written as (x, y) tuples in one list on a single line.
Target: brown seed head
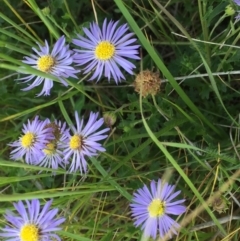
[(55, 130), (148, 81), (220, 204)]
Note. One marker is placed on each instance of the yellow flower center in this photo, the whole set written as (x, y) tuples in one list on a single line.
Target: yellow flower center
[(50, 149), (76, 142), (28, 139), (104, 50), (29, 232), (156, 208), (45, 63)]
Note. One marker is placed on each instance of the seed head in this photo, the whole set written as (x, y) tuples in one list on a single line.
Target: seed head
[(147, 81)]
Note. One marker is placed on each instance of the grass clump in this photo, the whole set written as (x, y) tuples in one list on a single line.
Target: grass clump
[(124, 114)]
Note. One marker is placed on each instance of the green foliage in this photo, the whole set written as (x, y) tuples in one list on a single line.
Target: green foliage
[(189, 129)]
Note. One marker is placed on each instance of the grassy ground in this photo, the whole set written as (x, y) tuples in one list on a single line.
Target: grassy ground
[(187, 134)]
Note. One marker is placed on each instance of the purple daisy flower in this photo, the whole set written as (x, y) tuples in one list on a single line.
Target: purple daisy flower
[(53, 153), (151, 208), (32, 223), (34, 139), (56, 62), (84, 142), (105, 50), (237, 2)]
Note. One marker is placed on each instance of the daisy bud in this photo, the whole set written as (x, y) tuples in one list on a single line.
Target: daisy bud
[(109, 118), (229, 11)]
